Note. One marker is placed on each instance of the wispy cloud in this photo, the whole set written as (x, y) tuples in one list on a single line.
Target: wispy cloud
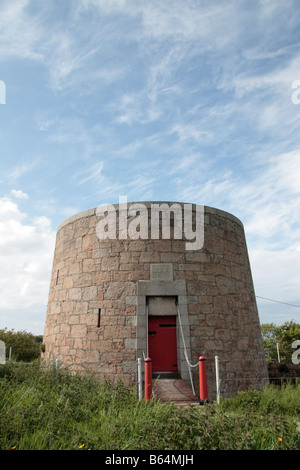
[(266, 198), (21, 169), (94, 173), (19, 32)]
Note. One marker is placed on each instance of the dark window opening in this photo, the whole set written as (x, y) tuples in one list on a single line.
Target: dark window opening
[(99, 317)]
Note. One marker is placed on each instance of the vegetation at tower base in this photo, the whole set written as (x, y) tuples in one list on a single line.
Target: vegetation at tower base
[(45, 409)]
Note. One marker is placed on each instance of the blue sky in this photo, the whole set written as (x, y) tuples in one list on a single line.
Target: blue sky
[(176, 100)]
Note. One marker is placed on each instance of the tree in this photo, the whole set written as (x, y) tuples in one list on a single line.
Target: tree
[(24, 345), (284, 335), (270, 339)]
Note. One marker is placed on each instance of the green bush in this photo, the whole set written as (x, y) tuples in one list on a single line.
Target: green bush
[(25, 346), (283, 335)]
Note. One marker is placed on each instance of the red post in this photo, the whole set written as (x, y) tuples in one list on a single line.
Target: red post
[(148, 378), (202, 380)]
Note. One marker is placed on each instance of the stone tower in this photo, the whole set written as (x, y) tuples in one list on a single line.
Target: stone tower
[(169, 280)]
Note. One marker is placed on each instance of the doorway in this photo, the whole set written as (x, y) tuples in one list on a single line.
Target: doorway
[(162, 343), (146, 291)]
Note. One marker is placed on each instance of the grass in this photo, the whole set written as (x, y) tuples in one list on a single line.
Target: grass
[(43, 410)]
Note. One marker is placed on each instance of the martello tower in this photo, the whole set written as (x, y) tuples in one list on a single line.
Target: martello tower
[(165, 279)]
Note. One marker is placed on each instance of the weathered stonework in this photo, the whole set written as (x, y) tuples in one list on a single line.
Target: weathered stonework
[(98, 301)]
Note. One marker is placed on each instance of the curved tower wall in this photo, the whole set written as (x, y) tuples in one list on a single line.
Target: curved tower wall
[(103, 292)]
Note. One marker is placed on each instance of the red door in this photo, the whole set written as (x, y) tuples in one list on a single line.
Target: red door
[(162, 343)]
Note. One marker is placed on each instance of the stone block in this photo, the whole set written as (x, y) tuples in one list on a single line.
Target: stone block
[(78, 331), (120, 290), (90, 293), (110, 264), (75, 293), (88, 265)]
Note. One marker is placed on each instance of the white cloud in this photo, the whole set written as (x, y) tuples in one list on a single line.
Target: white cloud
[(277, 273), (26, 254), (18, 194), (276, 276)]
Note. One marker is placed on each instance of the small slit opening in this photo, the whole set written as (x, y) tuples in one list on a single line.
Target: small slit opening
[(99, 317)]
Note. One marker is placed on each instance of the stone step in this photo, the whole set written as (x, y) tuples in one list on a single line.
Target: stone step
[(174, 390)]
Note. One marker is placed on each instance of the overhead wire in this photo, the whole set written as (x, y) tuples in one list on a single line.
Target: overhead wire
[(277, 301)]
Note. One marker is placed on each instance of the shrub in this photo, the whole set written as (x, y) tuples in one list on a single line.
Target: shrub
[(24, 345)]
